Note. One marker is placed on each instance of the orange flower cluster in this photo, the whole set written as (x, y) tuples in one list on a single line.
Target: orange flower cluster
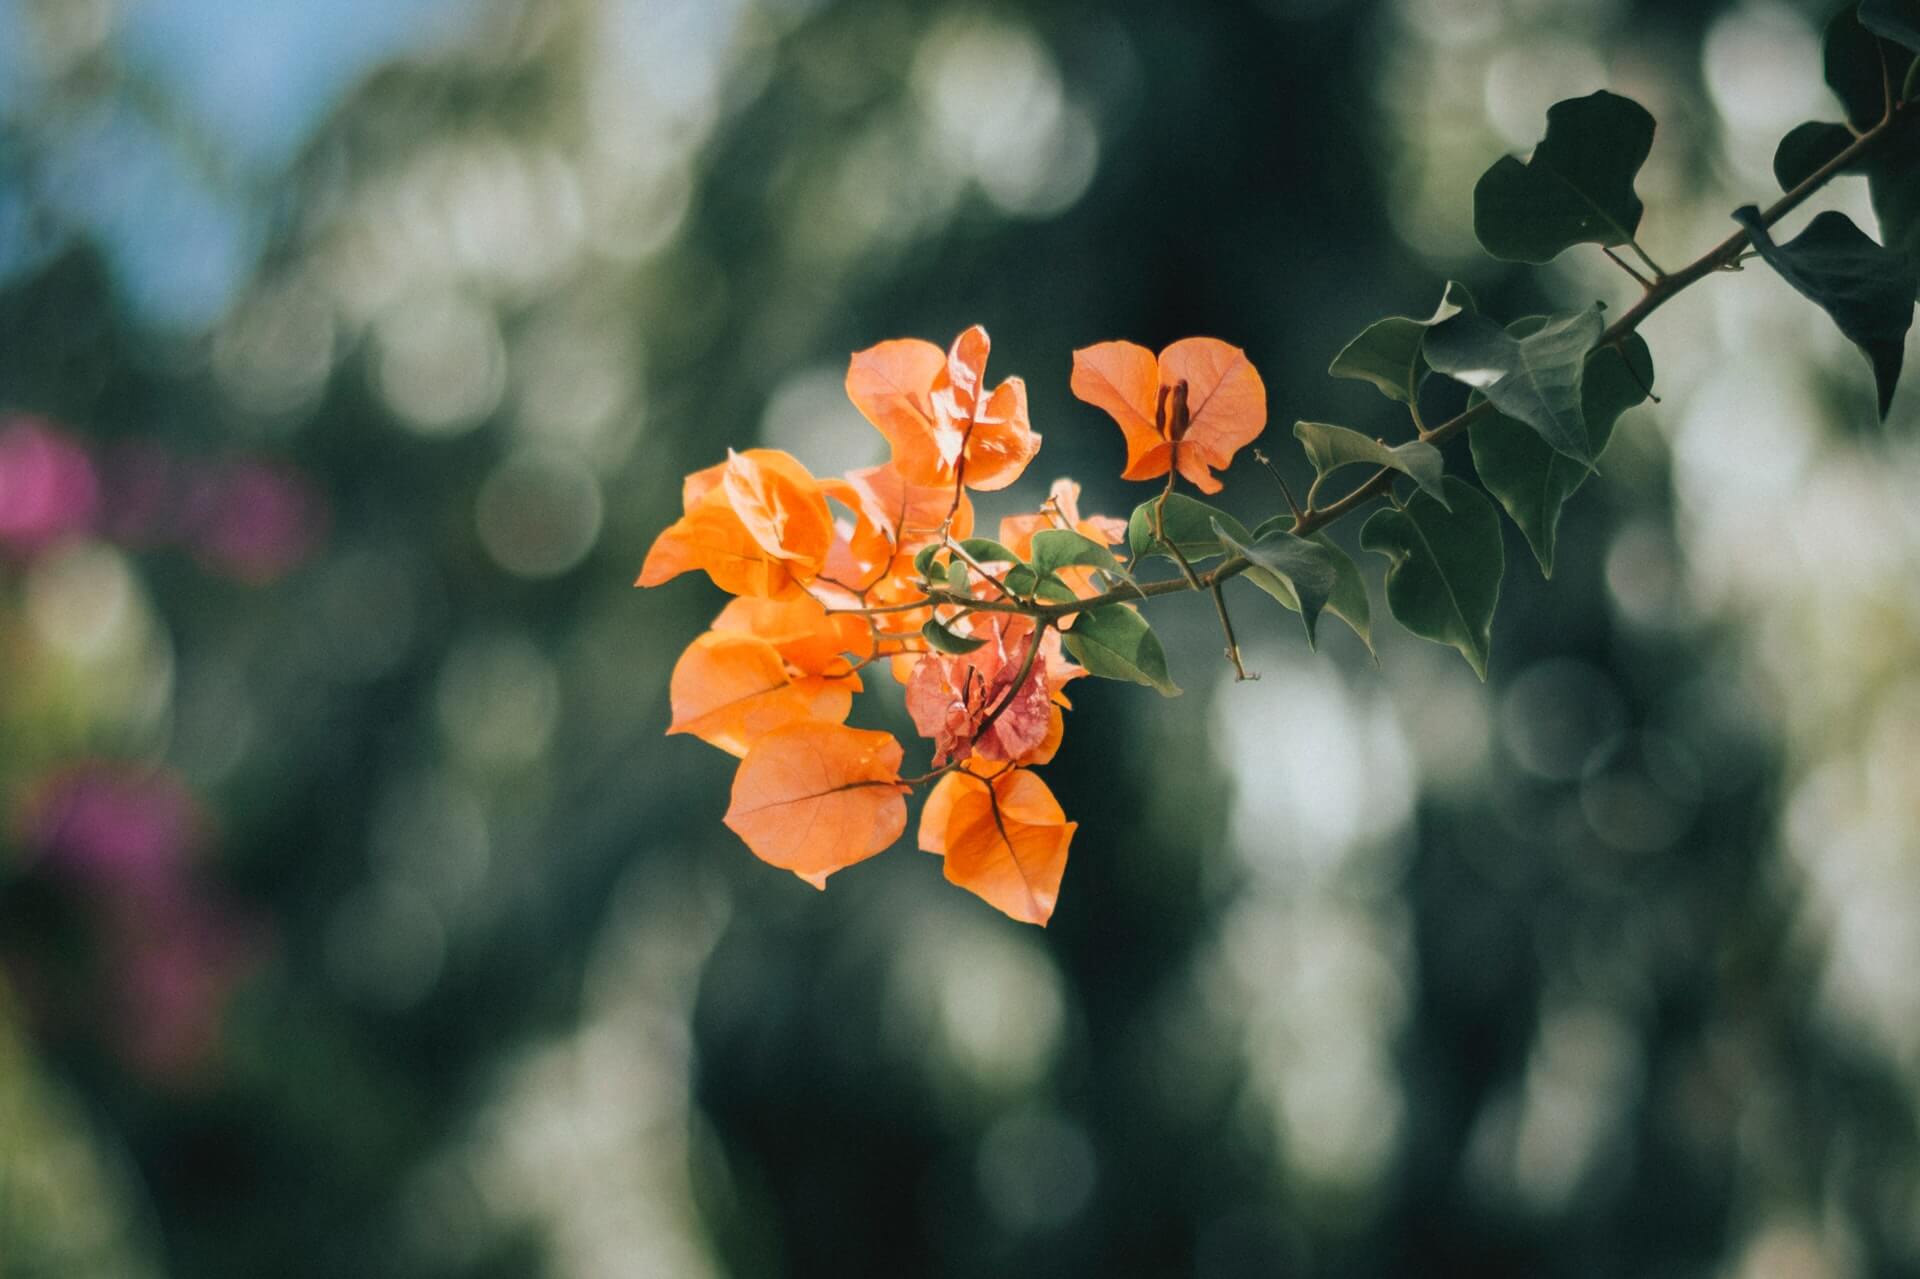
[(834, 575)]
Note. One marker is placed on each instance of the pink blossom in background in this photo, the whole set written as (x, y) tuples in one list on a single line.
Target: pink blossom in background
[(114, 826), (245, 518), (255, 521), (125, 836), (48, 487)]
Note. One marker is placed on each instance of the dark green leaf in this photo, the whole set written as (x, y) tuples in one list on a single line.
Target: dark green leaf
[(1331, 447), (1349, 600), (1115, 642), (1304, 566), (988, 551), (1867, 289), (1531, 480), (1061, 548), (923, 562), (1387, 352), (1891, 167), (1189, 526), (1443, 579), (1806, 150), (1577, 188), (1535, 378), (1859, 65), (945, 641), (1897, 20), (1052, 588)]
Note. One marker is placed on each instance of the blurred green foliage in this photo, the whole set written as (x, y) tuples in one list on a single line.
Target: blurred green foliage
[(1359, 970)]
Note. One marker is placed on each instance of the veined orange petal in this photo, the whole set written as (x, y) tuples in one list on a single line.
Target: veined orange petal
[(910, 513), (1154, 463), (962, 377), (1003, 440), (815, 798), (712, 537), (730, 690), (808, 638), (1124, 379), (1012, 858), (892, 385), (1226, 404), (781, 506)]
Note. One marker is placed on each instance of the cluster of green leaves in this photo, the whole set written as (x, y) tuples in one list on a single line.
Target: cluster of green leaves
[(1545, 391)]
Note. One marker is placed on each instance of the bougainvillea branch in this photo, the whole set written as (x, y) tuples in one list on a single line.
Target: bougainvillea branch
[(1004, 623)]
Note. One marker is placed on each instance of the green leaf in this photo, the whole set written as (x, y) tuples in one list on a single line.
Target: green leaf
[(988, 551), (1867, 289), (1891, 167), (1115, 642), (945, 641), (1532, 481), (1896, 20), (1535, 378), (1063, 548), (923, 562), (1858, 66), (1052, 588), (1189, 526), (1331, 447), (959, 581), (1443, 579), (1806, 150), (1577, 188), (1387, 352), (1349, 600), (1304, 566)]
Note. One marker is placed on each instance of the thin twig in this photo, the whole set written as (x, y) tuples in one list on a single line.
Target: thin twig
[(1281, 480), (1013, 690), (1628, 267), (1240, 672)]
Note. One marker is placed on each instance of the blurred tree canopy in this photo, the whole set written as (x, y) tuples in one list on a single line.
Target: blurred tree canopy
[(356, 918)]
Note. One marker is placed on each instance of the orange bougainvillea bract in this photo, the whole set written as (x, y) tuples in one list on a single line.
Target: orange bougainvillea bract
[(945, 427), (814, 798), (1004, 839), (1190, 410), (833, 574)]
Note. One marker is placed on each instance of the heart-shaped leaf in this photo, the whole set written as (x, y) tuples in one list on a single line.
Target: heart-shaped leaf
[(1348, 602), (1806, 150), (1866, 288), (1443, 579), (942, 640), (1304, 566), (1189, 526), (1331, 447), (1115, 642), (1532, 481), (988, 551), (1535, 378), (1063, 548), (1387, 352), (1577, 188), (1891, 167)]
